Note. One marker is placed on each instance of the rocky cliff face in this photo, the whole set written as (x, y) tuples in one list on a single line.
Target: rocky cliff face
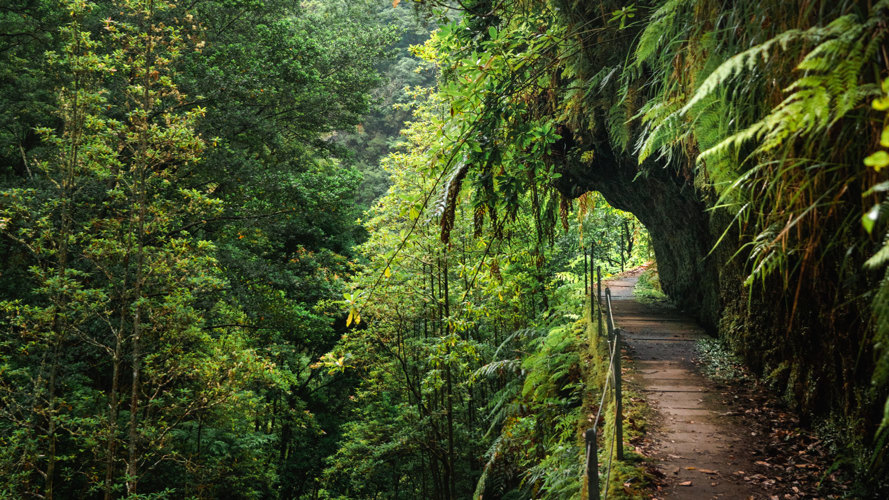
[(816, 360), (675, 216), (786, 285)]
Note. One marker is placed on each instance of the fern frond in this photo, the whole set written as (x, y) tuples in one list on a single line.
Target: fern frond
[(497, 368), (662, 128), (748, 59), (827, 90), (608, 76), (879, 259), (659, 30), (618, 130), (732, 143)]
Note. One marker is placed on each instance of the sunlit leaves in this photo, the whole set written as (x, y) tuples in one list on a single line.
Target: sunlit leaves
[(623, 15), (880, 159), (877, 160), (870, 218), (352, 303)]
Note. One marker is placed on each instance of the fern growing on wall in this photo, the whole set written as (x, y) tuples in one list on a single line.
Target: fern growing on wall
[(879, 214), (775, 116)]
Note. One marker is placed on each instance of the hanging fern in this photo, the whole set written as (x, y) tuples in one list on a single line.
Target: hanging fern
[(618, 129), (748, 60), (662, 29), (825, 93), (663, 128), (879, 214)]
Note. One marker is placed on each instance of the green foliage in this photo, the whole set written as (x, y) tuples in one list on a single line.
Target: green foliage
[(378, 133), (880, 304), (27, 30), (623, 15), (112, 277), (469, 344), (718, 361), (758, 110), (178, 205), (168, 275), (648, 287)]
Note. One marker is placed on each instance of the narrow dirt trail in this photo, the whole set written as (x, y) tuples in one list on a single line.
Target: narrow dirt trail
[(697, 446)]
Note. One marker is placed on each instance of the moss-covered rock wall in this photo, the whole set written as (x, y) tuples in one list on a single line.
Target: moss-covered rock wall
[(675, 216), (808, 343)]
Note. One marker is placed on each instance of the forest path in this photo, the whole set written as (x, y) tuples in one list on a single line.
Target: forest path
[(698, 447)]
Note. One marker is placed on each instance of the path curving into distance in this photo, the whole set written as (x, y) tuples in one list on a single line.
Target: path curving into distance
[(699, 448)]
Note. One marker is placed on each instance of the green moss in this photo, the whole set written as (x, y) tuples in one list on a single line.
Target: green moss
[(628, 479), (779, 375)]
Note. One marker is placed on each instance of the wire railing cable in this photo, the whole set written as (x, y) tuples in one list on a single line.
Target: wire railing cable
[(612, 381)]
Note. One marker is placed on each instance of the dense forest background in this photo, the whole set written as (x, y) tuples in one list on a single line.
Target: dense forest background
[(340, 249)]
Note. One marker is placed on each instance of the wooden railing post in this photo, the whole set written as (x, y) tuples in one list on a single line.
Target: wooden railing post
[(618, 399), (592, 269), (599, 294), (608, 323), (592, 465)]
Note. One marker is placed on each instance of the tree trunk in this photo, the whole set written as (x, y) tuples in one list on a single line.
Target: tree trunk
[(113, 411), (452, 490), (133, 457), (141, 170)]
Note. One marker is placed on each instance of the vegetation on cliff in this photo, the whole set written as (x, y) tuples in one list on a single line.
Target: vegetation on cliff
[(204, 295), (747, 138)]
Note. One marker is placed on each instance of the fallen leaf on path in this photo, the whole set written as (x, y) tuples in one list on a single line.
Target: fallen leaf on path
[(690, 468), (685, 483), (708, 471)]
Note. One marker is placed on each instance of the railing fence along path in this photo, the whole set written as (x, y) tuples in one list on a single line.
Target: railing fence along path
[(612, 381)]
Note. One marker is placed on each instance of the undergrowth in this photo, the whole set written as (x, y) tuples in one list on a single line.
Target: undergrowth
[(719, 363), (648, 287), (851, 458)]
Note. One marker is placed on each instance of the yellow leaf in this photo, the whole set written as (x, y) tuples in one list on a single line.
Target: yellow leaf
[(878, 160), (395, 3), (388, 272), (349, 319)]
